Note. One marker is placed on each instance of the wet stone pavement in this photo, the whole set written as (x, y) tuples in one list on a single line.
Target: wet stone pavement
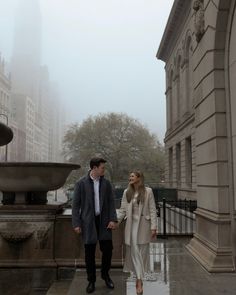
[(176, 273)]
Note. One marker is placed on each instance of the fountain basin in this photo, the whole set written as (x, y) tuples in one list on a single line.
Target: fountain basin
[(6, 134), (29, 182)]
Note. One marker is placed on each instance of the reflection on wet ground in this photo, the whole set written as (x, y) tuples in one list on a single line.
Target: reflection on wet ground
[(177, 273)]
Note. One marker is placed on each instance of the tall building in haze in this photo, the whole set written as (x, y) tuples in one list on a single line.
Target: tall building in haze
[(26, 57), (31, 93)]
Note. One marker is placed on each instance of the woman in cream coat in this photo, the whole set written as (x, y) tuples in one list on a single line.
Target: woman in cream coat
[(139, 209)]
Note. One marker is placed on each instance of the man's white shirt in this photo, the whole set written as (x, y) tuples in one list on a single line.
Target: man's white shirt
[(96, 184)]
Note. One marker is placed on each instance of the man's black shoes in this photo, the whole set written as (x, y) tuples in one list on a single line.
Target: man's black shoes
[(91, 285), (108, 281), (90, 288)]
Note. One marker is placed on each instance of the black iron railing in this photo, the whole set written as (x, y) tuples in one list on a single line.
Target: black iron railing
[(176, 217)]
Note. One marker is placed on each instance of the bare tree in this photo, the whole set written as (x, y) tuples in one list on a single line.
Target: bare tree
[(123, 141)]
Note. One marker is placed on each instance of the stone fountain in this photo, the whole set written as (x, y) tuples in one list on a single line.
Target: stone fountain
[(27, 221), (28, 183), (6, 134)]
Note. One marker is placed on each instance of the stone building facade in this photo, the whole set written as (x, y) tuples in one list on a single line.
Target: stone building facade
[(180, 135), (199, 50)]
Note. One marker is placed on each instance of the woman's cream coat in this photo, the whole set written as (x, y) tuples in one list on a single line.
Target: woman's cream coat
[(147, 217)]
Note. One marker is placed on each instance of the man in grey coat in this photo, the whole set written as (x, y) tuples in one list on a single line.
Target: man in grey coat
[(94, 216)]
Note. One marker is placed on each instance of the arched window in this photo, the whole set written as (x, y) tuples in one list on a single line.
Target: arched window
[(189, 76), (178, 87)]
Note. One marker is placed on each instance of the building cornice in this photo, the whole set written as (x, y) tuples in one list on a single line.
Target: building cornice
[(175, 23), (182, 125)]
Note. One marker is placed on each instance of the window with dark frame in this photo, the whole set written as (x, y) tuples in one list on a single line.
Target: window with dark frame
[(170, 166), (188, 161), (178, 164)]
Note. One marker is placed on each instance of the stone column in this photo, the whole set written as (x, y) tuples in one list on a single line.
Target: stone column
[(212, 244)]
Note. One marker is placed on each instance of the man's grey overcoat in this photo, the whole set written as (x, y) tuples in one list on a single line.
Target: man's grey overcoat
[(83, 209)]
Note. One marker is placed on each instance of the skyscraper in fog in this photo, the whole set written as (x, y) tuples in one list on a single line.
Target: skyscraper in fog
[(31, 94), (26, 57)]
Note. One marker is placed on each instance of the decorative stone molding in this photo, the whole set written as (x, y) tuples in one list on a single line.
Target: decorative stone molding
[(179, 13), (167, 90), (199, 22), (177, 64), (184, 62), (42, 237), (170, 77), (16, 237), (186, 47)]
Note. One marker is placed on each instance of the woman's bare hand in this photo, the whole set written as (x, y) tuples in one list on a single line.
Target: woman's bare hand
[(77, 229), (153, 233)]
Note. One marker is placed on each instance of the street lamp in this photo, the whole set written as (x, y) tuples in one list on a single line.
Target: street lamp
[(6, 117)]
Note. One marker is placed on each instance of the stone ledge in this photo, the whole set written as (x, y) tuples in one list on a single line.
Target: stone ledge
[(213, 217)]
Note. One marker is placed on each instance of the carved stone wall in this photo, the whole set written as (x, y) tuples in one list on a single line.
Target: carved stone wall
[(212, 24), (199, 22)]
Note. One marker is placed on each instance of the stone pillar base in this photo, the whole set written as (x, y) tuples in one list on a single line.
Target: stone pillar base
[(211, 245), (213, 261)]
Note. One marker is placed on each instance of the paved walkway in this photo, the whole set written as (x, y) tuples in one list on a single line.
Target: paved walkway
[(177, 274)]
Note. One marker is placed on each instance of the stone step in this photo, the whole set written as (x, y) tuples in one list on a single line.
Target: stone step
[(123, 285), (79, 284), (59, 288)]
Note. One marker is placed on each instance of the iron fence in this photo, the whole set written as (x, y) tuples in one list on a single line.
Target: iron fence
[(176, 217)]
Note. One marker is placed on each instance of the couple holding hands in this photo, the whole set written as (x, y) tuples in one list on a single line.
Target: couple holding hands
[(94, 217)]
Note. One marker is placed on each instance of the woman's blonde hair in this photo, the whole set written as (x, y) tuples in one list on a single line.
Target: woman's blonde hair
[(141, 188)]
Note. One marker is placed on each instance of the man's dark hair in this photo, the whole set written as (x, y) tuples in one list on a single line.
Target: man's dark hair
[(96, 162)]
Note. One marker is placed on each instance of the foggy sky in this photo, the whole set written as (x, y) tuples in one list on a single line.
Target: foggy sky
[(102, 54)]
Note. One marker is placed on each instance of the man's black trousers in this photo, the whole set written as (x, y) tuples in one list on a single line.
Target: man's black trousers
[(90, 249)]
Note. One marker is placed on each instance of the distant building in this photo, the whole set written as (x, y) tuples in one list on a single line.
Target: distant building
[(17, 148), (25, 118), (26, 57), (31, 85), (5, 104), (57, 125), (199, 51)]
